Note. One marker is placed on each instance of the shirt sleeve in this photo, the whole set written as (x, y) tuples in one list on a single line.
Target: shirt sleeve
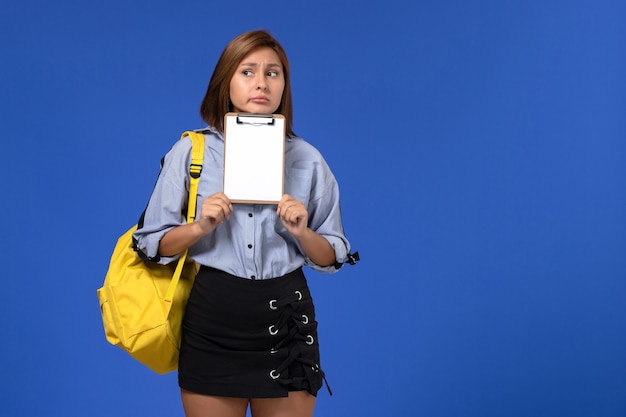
[(167, 206), (325, 216)]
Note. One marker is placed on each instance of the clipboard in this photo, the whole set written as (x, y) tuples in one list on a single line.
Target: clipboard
[(254, 157)]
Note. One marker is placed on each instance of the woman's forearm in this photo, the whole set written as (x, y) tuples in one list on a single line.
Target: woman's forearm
[(180, 238), (317, 248)]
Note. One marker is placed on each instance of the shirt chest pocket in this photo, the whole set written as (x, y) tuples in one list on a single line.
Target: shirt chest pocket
[(299, 183), (211, 180)]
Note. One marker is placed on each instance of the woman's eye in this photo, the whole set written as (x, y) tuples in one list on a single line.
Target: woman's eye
[(272, 74), (247, 73)]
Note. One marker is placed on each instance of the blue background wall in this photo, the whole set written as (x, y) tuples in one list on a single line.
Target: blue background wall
[(480, 147)]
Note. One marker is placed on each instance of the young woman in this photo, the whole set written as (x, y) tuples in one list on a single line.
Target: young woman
[(249, 332)]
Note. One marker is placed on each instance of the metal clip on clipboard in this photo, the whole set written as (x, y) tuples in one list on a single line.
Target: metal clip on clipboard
[(255, 119)]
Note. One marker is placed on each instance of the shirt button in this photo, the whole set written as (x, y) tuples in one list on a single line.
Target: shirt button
[(253, 277), (249, 246), (249, 214)]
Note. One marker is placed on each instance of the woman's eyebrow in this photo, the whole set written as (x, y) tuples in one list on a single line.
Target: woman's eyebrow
[(254, 64)]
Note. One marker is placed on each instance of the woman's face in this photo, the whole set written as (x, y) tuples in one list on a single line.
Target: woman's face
[(258, 83)]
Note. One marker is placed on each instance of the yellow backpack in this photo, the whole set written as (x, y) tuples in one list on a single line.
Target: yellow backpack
[(142, 302)]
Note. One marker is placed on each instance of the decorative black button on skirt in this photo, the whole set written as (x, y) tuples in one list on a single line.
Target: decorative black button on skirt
[(249, 338)]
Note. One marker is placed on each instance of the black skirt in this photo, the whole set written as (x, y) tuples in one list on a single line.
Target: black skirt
[(249, 338)]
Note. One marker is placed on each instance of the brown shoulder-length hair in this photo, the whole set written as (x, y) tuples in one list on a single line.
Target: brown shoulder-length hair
[(216, 102)]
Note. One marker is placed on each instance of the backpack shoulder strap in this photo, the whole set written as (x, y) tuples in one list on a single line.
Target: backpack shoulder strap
[(195, 169)]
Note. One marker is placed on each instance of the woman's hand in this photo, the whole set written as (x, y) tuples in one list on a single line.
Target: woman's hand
[(294, 215), (295, 218), (214, 210)]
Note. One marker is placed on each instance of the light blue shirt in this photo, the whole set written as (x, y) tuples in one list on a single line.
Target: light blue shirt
[(253, 243)]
